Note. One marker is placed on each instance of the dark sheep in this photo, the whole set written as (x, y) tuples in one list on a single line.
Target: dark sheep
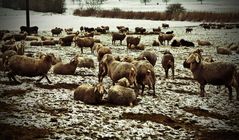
[(36, 43), (131, 40), (175, 43), (189, 30), (224, 51), (20, 36), (165, 37), (149, 55), (168, 63), (155, 43), (164, 25), (56, 31), (85, 42), (186, 43), (169, 32), (68, 68), (118, 36), (32, 30), (67, 40)]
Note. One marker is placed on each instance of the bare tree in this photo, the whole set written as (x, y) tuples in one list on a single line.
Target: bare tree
[(145, 1), (200, 1), (166, 1)]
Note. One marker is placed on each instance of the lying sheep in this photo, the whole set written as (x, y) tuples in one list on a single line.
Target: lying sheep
[(155, 43), (116, 70), (120, 95), (68, 68), (169, 32), (43, 38), (165, 37), (32, 30), (118, 36), (56, 31), (164, 25), (27, 66), (49, 43), (168, 63), (138, 47), (20, 36), (145, 75), (19, 47), (85, 62), (224, 51), (85, 42), (123, 82), (140, 30), (31, 38), (89, 94), (175, 43), (215, 73), (149, 55), (186, 43), (36, 43), (131, 40), (203, 43), (67, 40)]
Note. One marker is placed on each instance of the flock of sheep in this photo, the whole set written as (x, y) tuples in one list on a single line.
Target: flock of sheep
[(124, 72)]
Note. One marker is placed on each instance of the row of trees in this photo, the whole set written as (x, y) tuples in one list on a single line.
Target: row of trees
[(165, 1)]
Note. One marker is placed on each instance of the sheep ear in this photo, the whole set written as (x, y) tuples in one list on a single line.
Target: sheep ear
[(197, 59)]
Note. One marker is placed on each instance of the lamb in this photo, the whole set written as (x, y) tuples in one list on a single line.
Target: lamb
[(149, 55), (186, 43), (203, 43), (118, 36), (90, 94), (167, 63), (66, 69), (56, 31), (116, 70), (120, 95), (30, 67), (130, 40), (85, 42), (215, 73), (145, 75), (85, 62), (224, 51), (165, 37)]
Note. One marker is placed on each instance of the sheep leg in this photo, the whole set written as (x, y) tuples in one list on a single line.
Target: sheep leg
[(172, 72), (81, 49), (143, 86), (154, 91), (166, 73), (202, 86), (48, 79), (11, 76), (230, 92)]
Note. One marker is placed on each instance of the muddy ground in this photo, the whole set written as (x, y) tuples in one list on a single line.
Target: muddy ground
[(47, 111)]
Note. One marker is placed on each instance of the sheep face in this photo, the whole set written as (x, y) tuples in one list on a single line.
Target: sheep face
[(99, 88), (194, 57)]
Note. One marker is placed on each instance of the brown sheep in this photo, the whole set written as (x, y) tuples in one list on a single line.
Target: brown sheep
[(203, 43), (49, 43), (36, 43), (55, 59), (145, 75), (67, 40), (20, 36), (116, 70), (149, 55), (224, 51), (165, 37), (31, 38), (85, 62), (27, 66), (155, 43), (215, 73), (66, 69), (43, 38), (118, 36), (102, 51), (85, 42), (89, 94), (120, 95), (168, 62), (131, 40), (123, 82)]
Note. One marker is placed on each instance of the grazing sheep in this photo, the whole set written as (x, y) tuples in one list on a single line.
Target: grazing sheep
[(203, 43), (131, 40), (175, 43), (155, 43), (165, 37), (85, 42), (118, 36), (56, 31), (49, 43), (36, 43), (30, 67), (224, 51), (100, 30), (120, 95), (140, 30), (117, 70), (157, 30), (145, 75), (85, 62), (189, 30), (167, 63), (149, 55), (215, 73), (186, 43), (68, 68), (89, 94)]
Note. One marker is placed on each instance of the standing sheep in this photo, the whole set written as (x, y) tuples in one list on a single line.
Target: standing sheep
[(66, 69), (89, 94), (130, 40), (56, 31), (118, 36), (165, 37), (85, 42), (149, 55), (167, 63), (215, 73), (27, 66)]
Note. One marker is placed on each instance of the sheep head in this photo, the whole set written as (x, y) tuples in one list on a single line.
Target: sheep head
[(107, 59), (99, 88), (194, 57), (74, 60)]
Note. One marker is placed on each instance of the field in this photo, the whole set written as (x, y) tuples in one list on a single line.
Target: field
[(41, 110)]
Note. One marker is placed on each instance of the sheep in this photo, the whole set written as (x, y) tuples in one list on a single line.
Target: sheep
[(90, 34), (155, 43), (84, 62), (85, 42), (189, 30), (120, 95), (224, 51), (145, 75), (203, 43), (89, 29), (131, 40), (175, 43), (167, 63), (7, 36), (67, 40), (116, 70), (32, 30), (56, 31), (68, 29), (43, 38), (66, 69), (31, 38), (90, 94), (20, 36), (2, 32), (123, 82), (19, 48), (101, 51), (100, 30), (118, 36), (55, 58), (165, 37), (149, 55), (36, 43), (215, 73), (30, 67), (186, 43), (5, 57), (157, 30), (164, 25), (169, 32), (49, 43), (140, 30)]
